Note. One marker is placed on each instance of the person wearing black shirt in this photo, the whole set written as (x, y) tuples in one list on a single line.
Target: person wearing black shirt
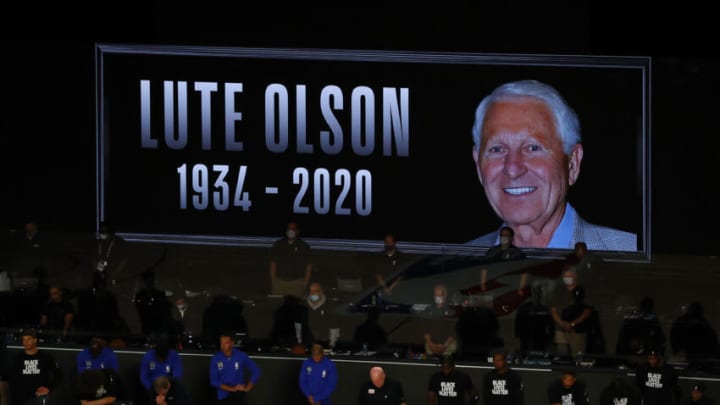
[(568, 390), (502, 385), (505, 250), (58, 314), (619, 391), (98, 387), (153, 307), (290, 263), (388, 263), (658, 381), (381, 390), (692, 334), (449, 386), (32, 373)]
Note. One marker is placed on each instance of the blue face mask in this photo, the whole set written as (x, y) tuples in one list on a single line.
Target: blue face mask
[(314, 297)]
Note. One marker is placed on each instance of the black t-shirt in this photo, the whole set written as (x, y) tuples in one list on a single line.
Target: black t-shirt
[(609, 396), (503, 389), (391, 393), (97, 384), (291, 258), (29, 372), (658, 385), (55, 312), (575, 395), (450, 389)]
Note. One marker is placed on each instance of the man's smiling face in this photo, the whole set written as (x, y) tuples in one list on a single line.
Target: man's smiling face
[(522, 165)]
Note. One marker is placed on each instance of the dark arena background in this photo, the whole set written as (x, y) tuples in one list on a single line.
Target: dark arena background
[(198, 131)]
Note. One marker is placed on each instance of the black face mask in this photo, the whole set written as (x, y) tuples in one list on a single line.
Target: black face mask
[(389, 248)]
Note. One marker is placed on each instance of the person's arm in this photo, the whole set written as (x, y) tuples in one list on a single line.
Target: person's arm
[(483, 279), (69, 316), (583, 316), (254, 373), (43, 320), (523, 284), (558, 319), (216, 377)]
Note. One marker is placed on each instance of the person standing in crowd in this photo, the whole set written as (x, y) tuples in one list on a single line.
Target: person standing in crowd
[(388, 264), (98, 311), (450, 386), (187, 320), (620, 391), (153, 307), (58, 314), (502, 385), (381, 390), (693, 336), (109, 257), (319, 315), (570, 335), (318, 377), (568, 390), (228, 368), (32, 373), (223, 315), (657, 380), (697, 396), (160, 361), (32, 252), (290, 263), (169, 391), (640, 331), (97, 356)]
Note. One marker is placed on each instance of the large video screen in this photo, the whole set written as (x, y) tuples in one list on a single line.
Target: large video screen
[(227, 145)]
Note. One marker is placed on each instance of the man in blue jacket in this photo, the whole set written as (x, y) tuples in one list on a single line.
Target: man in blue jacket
[(228, 369), (318, 377)]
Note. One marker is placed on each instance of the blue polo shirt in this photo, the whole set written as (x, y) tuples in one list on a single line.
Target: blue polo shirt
[(231, 370)]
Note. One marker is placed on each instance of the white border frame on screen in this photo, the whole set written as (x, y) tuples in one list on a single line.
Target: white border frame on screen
[(642, 63)]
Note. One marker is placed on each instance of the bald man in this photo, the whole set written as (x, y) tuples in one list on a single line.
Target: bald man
[(381, 390)]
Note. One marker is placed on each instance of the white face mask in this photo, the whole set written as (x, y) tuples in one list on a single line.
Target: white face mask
[(103, 236), (505, 240), (439, 299), (181, 308), (290, 234), (568, 280), (314, 297)]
